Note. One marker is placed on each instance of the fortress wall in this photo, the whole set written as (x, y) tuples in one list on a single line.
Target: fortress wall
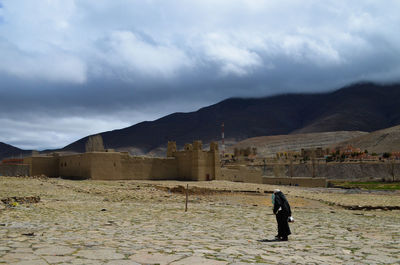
[(105, 165), (302, 173), (213, 164), (75, 166), (245, 174), (184, 164), (203, 165), (332, 170), (347, 170), (14, 170), (199, 162), (197, 165), (240, 174), (217, 166), (146, 168), (117, 166), (191, 164), (43, 165)]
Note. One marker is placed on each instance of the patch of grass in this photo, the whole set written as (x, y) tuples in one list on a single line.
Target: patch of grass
[(259, 259), (353, 250), (368, 185), (213, 257)]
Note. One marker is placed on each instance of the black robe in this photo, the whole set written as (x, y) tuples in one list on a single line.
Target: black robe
[(282, 212)]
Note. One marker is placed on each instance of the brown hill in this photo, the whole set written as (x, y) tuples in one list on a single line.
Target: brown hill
[(386, 140), (270, 145)]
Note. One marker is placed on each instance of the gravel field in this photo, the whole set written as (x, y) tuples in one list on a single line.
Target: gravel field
[(144, 222)]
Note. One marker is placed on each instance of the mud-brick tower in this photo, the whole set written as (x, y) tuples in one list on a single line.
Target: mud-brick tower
[(194, 163), (171, 148), (215, 160), (198, 161), (214, 146)]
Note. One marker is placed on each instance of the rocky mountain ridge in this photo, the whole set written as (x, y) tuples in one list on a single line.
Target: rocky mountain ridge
[(363, 107)]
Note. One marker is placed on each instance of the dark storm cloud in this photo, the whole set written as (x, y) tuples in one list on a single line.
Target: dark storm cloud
[(71, 68)]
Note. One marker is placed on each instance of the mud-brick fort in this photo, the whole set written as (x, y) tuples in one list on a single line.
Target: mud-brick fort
[(192, 163)]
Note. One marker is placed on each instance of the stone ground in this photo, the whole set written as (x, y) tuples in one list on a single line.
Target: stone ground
[(139, 222)]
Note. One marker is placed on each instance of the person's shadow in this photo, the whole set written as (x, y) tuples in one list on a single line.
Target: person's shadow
[(268, 240)]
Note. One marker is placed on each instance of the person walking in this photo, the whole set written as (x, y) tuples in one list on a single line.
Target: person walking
[(283, 214)]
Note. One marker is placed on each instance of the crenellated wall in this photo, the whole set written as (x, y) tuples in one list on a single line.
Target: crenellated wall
[(192, 163)]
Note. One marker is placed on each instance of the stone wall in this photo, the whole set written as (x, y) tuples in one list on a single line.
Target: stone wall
[(302, 182), (43, 165), (202, 166), (117, 166), (14, 170), (214, 162), (184, 164), (191, 164), (75, 166), (197, 165), (105, 166), (145, 168), (378, 170), (329, 171), (240, 174), (254, 175)]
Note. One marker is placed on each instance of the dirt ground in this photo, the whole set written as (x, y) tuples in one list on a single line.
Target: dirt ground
[(144, 222)]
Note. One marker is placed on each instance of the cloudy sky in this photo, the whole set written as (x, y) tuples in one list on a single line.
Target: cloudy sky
[(70, 68)]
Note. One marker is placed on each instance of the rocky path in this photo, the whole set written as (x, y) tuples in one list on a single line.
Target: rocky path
[(127, 222)]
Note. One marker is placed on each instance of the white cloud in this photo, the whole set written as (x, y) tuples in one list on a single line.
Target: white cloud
[(184, 48), (53, 132), (237, 59), (36, 26), (36, 42), (51, 66), (128, 51), (238, 36), (304, 50)]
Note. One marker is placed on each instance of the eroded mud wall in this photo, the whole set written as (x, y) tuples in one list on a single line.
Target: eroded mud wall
[(43, 165)]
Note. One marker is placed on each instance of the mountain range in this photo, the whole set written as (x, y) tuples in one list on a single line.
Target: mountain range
[(7, 150), (385, 140), (363, 107)]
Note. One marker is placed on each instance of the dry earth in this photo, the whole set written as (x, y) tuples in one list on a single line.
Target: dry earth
[(143, 222), (386, 140), (270, 145)]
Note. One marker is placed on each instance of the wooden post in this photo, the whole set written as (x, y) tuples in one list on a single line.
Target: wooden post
[(291, 167), (187, 195)]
